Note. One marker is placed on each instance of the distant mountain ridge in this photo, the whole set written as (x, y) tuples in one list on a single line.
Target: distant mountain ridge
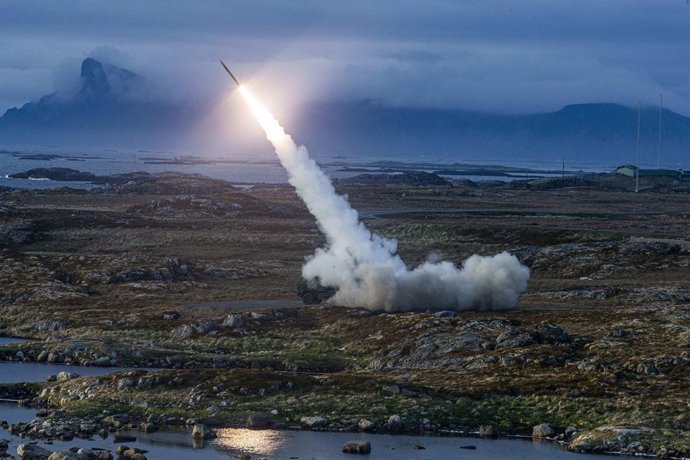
[(597, 133), (115, 107)]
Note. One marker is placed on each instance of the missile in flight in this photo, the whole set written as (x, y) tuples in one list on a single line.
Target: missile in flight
[(230, 73)]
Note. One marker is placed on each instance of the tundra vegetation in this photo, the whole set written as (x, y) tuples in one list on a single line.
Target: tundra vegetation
[(171, 271)]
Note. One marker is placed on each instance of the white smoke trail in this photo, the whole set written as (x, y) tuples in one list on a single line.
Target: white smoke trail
[(365, 267)]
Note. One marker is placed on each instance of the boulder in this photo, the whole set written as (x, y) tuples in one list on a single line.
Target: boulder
[(201, 431), (394, 424), (148, 427), (233, 321), (125, 383), (552, 334), (258, 421), (184, 331), (488, 431), (366, 425), (204, 326), (544, 430), (33, 452), (357, 447), (97, 454), (514, 338), (170, 315), (64, 375), (103, 361), (67, 455), (313, 422)]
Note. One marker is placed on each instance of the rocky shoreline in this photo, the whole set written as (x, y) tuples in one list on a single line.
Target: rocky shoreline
[(50, 425)]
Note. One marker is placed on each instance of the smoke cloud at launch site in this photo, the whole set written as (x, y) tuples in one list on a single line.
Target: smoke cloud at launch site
[(364, 266)]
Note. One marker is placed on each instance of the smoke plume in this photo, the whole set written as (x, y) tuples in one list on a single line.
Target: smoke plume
[(364, 266)]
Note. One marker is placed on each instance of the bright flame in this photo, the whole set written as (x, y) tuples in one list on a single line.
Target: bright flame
[(274, 132)]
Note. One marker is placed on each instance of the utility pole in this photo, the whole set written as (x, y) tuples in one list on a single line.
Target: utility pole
[(658, 147), (637, 147)]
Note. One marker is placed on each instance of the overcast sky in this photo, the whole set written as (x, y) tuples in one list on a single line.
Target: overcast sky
[(501, 56)]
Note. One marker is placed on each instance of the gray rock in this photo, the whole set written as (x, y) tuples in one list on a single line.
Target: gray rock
[(145, 383), (47, 326), (201, 431), (148, 427), (64, 375), (394, 424), (488, 431), (570, 431), (125, 383), (204, 326), (620, 333), (544, 430), (552, 334), (313, 422), (116, 420), (54, 358), (33, 452), (103, 361), (184, 331), (357, 447), (170, 315), (649, 369), (258, 421), (67, 455), (395, 389), (444, 314), (233, 321), (514, 338), (366, 425)]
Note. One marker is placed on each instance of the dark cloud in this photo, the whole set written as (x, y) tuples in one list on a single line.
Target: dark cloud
[(502, 56)]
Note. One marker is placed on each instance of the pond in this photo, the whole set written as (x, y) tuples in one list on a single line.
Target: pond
[(18, 372)]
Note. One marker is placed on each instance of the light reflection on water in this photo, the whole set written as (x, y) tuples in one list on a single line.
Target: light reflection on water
[(258, 442), (305, 445)]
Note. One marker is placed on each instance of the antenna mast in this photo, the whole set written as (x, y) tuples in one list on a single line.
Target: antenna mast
[(658, 147), (637, 147)]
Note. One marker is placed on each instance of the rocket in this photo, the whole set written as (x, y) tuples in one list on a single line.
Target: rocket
[(229, 73)]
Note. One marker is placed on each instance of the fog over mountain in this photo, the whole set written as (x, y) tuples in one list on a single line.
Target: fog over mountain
[(116, 108)]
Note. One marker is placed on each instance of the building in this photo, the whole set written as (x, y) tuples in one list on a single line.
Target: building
[(630, 171), (626, 170)]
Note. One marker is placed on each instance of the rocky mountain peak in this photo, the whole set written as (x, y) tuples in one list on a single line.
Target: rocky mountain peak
[(102, 79)]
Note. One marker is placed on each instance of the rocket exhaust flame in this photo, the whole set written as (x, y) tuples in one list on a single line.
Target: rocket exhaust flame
[(365, 267)]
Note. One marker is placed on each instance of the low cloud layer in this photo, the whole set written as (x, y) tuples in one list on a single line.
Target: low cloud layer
[(494, 56)]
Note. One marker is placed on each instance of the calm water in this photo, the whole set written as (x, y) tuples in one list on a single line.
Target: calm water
[(16, 372), (243, 169), (309, 445), (10, 340)]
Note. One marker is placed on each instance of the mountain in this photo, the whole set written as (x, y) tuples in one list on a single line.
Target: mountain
[(115, 107), (599, 133)]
